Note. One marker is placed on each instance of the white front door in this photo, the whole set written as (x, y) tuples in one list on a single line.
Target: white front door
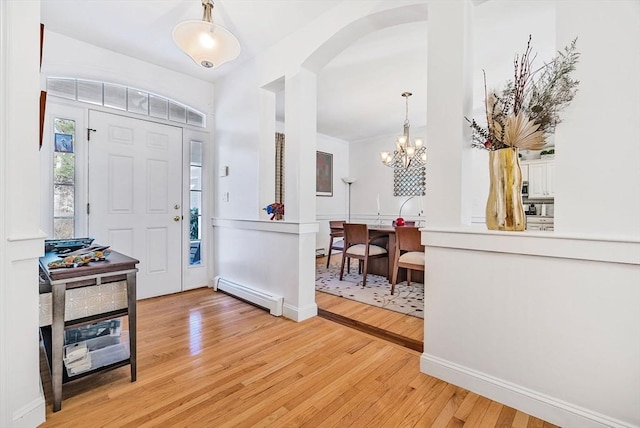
[(135, 196)]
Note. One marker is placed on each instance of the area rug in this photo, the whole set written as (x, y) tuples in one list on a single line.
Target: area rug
[(407, 299)]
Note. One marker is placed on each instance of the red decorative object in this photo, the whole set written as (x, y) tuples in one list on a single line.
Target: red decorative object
[(276, 210), (399, 221)]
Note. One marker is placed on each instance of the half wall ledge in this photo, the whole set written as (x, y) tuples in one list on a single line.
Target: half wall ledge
[(600, 248)]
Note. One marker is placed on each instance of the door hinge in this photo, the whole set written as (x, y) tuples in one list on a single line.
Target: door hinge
[(88, 208), (89, 131)]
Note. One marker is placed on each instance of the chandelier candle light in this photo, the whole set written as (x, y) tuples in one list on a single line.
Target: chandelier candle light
[(408, 154), (208, 44)]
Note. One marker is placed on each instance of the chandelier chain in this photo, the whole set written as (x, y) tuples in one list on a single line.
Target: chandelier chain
[(208, 10)]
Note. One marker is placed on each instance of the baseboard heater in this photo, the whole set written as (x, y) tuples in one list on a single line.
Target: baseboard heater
[(258, 297)]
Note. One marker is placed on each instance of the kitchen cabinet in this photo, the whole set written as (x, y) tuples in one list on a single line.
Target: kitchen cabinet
[(540, 223), (541, 176), (525, 171)]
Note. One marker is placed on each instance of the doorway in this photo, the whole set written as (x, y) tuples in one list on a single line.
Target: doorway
[(135, 196)]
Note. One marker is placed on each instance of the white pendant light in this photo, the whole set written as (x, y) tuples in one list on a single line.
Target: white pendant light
[(208, 44)]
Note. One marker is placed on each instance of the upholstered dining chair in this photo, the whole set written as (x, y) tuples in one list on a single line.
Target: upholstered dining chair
[(409, 253), (358, 246), (336, 230)]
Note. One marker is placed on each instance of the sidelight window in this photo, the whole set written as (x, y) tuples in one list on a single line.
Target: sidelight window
[(64, 178), (195, 202)]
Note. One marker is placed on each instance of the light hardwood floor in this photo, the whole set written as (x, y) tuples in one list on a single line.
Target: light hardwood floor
[(206, 359)]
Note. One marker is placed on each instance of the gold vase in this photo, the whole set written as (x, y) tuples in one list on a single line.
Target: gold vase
[(504, 205)]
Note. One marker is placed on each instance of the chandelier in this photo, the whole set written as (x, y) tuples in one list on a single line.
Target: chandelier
[(408, 154), (208, 44)]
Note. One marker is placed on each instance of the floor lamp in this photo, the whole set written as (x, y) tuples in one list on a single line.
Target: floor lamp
[(349, 181)]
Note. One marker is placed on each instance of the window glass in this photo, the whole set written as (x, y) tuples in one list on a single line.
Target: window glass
[(196, 178), (64, 176), (196, 153), (63, 228), (63, 201), (195, 201)]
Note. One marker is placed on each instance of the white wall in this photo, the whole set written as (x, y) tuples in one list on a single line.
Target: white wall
[(548, 325), (21, 243), (600, 153), (272, 257), (332, 207), (67, 57), (238, 141)]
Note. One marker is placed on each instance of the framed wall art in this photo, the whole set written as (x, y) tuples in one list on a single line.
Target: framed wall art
[(324, 174)]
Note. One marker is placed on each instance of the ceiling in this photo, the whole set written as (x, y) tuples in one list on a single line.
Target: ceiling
[(358, 91)]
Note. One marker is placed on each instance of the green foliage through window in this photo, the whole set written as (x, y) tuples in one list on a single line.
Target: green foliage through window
[(64, 171), (193, 224)]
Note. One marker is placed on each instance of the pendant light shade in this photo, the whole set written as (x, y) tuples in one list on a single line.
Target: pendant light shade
[(208, 44)]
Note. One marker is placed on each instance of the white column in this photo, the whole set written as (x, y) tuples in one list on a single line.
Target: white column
[(300, 147), (21, 242), (300, 181), (267, 152), (449, 100)]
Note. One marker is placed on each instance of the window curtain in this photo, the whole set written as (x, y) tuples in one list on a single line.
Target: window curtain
[(279, 167)]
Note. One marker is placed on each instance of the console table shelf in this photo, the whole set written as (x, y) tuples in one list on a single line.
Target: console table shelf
[(45, 333)]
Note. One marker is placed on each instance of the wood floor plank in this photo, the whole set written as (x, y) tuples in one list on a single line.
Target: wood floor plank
[(396, 392), (206, 359), (434, 410), (455, 423), (535, 423), (491, 416), (448, 411), (467, 405), (415, 415), (520, 420), (506, 417), (477, 412)]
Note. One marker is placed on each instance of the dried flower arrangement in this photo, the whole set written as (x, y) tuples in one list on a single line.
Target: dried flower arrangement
[(527, 110)]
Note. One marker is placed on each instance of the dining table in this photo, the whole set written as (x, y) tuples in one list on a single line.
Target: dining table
[(382, 266)]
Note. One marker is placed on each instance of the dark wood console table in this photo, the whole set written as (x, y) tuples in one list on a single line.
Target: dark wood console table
[(116, 267)]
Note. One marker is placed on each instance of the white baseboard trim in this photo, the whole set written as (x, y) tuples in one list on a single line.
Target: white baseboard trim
[(32, 414), (542, 406), (272, 302), (300, 314)]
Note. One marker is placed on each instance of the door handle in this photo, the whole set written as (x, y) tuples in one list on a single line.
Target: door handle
[(176, 218)]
